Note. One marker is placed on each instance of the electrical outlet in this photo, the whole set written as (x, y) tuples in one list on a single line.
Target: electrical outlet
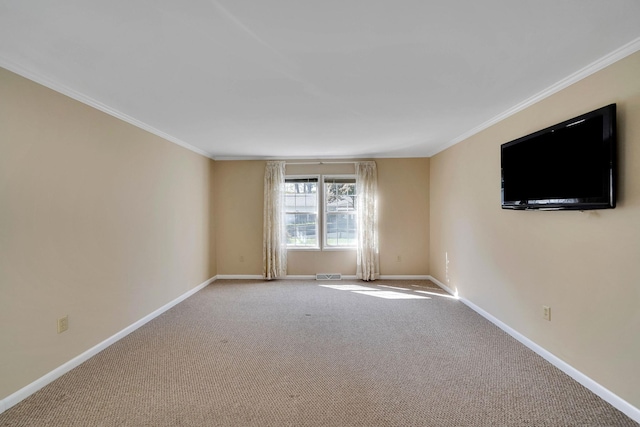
[(63, 324), (241, 258), (546, 312), (398, 258)]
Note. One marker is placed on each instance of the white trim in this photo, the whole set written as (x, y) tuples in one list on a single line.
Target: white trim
[(293, 159), (339, 248), (442, 285), (28, 390), (616, 401), (609, 59), (87, 100), (313, 277), (402, 277), (590, 69), (239, 277), (353, 277), (600, 391), (320, 163)]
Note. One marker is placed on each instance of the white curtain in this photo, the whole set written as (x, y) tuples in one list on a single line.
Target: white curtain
[(274, 249), (367, 267)]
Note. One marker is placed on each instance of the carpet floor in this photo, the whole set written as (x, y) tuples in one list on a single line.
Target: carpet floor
[(296, 353)]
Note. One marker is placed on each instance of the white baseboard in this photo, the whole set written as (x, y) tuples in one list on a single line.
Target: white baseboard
[(28, 390), (403, 277), (313, 277), (614, 400), (353, 277), (443, 286), (602, 392), (239, 277)]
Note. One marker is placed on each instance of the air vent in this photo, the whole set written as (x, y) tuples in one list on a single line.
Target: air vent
[(329, 276)]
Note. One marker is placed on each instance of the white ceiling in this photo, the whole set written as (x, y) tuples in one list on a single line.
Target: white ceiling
[(312, 79)]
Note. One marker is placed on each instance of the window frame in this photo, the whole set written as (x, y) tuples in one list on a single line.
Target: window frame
[(321, 212)]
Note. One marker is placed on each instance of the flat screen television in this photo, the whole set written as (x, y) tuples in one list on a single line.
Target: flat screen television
[(571, 165)]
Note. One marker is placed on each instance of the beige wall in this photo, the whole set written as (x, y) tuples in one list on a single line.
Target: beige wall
[(239, 195), (403, 190), (585, 266), (99, 220), (404, 218)]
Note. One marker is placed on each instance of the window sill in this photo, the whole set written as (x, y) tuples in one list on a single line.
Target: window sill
[(326, 249), (339, 249)]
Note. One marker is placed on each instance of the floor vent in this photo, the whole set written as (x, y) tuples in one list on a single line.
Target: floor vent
[(329, 276)]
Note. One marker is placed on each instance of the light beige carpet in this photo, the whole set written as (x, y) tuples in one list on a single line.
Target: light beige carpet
[(293, 353)]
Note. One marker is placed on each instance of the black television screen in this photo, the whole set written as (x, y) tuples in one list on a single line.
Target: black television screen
[(571, 165)]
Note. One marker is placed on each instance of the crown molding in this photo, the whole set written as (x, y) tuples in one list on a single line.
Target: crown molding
[(590, 69), (87, 100), (609, 59)]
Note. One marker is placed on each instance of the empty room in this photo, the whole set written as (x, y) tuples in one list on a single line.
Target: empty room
[(356, 213)]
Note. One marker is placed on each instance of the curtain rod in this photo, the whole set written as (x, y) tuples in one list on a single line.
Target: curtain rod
[(319, 163)]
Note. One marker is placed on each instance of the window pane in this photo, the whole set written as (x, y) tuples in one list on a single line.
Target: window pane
[(340, 211), (341, 229), (301, 196), (332, 230), (340, 196), (301, 207), (301, 229)]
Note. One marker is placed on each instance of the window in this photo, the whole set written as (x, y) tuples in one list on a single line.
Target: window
[(301, 211), (321, 206), (340, 212)]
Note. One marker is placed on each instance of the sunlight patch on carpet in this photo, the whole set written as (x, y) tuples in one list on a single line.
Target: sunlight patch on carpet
[(394, 287)]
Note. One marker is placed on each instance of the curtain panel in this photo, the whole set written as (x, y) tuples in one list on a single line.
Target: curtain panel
[(368, 264), (274, 248)]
